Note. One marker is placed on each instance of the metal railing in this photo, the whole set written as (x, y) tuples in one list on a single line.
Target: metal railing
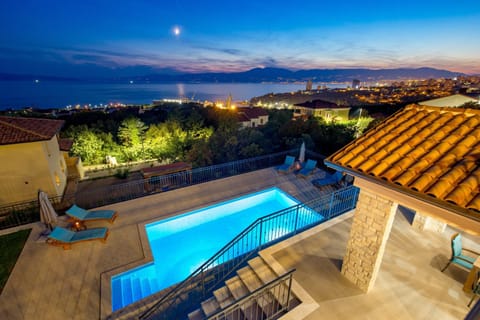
[(20, 213), (261, 233), (143, 187), (15, 214), (275, 298)]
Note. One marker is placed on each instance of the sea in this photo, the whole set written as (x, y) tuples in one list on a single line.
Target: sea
[(59, 95)]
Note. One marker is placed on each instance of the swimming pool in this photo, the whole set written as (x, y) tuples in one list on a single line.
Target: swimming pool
[(183, 243)]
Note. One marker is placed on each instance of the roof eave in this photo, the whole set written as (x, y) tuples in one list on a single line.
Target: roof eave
[(416, 195)]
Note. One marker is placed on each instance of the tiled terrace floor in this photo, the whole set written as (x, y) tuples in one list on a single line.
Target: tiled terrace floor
[(50, 283)]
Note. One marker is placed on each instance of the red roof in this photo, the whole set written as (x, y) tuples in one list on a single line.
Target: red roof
[(242, 117), (19, 130), (65, 144), (320, 104), (253, 112)]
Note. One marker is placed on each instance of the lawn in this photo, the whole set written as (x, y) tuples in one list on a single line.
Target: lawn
[(11, 246)]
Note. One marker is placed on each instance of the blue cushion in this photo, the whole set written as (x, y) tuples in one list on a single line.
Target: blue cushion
[(460, 260)]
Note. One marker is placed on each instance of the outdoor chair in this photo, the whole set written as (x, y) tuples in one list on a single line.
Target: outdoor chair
[(457, 254), (81, 215), (65, 238), (287, 165), (328, 179), (308, 168)]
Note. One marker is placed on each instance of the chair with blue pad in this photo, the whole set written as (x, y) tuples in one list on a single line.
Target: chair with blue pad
[(287, 165), (308, 168), (79, 214), (328, 179), (458, 257), (65, 238)]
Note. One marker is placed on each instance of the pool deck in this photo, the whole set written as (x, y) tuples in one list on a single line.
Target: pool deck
[(51, 283)]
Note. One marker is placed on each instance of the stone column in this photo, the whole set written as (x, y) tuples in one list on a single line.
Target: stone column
[(423, 222), (371, 227)]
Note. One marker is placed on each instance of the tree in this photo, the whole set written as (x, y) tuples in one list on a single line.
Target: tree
[(156, 141), (88, 146), (131, 134), (200, 154)]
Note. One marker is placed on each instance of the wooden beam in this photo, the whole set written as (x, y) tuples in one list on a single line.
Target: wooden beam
[(450, 217)]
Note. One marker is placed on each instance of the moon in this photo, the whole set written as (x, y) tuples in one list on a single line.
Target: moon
[(176, 31)]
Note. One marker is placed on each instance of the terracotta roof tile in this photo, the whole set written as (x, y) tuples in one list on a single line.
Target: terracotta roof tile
[(427, 150), (20, 130), (320, 104), (252, 112), (65, 144), (474, 204)]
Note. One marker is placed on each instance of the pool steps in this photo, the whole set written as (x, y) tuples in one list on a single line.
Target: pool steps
[(248, 279), (134, 288)]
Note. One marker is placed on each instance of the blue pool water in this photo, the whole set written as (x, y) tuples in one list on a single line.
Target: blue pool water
[(183, 243)]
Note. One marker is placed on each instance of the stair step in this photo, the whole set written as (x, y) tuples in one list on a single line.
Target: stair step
[(249, 278), (196, 315), (262, 269), (223, 296), (127, 291), (145, 283), (210, 306), (137, 293), (252, 282), (154, 287), (237, 287), (117, 302), (266, 274)]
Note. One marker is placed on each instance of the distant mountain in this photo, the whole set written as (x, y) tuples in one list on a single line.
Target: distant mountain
[(258, 75), (317, 75)]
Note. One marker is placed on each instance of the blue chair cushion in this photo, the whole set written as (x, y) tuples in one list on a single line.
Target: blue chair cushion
[(464, 261)]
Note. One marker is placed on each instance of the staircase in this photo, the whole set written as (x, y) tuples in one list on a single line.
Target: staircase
[(248, 279)]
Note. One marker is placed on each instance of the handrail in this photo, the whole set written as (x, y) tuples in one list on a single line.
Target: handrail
[(257, 295), (248, 242)]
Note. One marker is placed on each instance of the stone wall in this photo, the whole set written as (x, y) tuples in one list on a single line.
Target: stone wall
[(371, 227)]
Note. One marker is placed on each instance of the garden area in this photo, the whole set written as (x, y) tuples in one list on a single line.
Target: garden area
[(11, 246)]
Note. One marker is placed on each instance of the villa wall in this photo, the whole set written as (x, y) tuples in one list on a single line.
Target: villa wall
[(28, 167)]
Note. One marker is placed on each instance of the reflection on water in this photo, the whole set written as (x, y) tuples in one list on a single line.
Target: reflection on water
[(44, 94)]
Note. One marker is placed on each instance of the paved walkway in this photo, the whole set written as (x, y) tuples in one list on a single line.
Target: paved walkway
[(409, 285)]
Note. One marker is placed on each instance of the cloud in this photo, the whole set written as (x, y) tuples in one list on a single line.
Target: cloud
[(239, 54), (229, 51)]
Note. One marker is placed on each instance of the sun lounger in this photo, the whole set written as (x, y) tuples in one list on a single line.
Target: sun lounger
[(328, 179), (287, 165), (78, 214), (308, 168), (65, 238)]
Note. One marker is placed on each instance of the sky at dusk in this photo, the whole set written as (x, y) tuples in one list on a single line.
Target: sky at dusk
[(122, 38)]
